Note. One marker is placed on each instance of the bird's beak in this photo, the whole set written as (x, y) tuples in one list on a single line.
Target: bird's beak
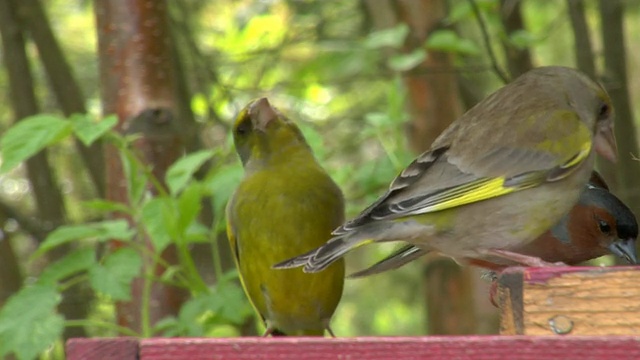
[(605, 142), (626, 249), (262, 113)]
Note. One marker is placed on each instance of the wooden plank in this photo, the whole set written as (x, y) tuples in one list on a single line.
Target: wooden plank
[(571, 300), (396, 348), (123, 348)]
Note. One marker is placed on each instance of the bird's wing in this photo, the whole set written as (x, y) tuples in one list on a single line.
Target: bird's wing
[(448, 177)]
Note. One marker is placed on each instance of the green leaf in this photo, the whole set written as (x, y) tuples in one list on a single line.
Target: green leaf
[(29, 323), (115, 275), (488, 5), (459, 11), (392, 37), (199, 105), (189, 206), (378, 120), (449, 41), (158, 218), (100, 231), (522, 39), (396, 103), (442, 40), (106, 206), (198, 233), (29, 136), (189, 320), (168, 327), (222, 184), (404, 62), (227, 305), (88, 130), (72, 263), (182, 170), (170, 273)]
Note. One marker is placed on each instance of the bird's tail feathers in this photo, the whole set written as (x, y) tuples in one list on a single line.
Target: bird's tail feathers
[(297, 261), (399, 258), (320, 258), (332, 251)]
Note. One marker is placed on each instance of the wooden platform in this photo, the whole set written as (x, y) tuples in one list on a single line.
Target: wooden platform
[(366, 348), (574, 300), (576, 314)]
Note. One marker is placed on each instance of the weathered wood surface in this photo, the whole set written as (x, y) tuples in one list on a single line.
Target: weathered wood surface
[(576, 301), (580, 312), (366, 348)]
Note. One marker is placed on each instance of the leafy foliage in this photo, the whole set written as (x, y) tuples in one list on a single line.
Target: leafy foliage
[(29, 136), (29, 324), (326, 67), (114, 275)]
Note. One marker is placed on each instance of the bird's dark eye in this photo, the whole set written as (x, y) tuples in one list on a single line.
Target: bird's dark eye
[(243, 128), (603, 112), (605, 228)]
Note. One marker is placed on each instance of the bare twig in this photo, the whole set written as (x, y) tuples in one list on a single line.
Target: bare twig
[(30, 226), (487, 42)]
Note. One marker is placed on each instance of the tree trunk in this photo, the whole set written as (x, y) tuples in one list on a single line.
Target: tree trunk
[(615, 80), (518, 60), (487, 318), (582, 38), (449, 294), (71, 100), (433, 98), (433, 104), (10, 274), (47, 194), (188, 122), (48, 198), (65, 87), (585, 62), (138, 84)]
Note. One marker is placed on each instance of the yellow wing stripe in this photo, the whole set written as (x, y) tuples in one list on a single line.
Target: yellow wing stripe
[(585, 149), (484, 190), (487, 188)]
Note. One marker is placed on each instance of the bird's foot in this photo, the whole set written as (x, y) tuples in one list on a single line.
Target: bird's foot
[(271, 331), (330, 332), (328, 327), (522, 259), (493, 293)]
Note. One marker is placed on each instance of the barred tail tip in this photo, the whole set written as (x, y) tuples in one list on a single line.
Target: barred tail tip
[(290, 263), (294, 262), (317, 259)]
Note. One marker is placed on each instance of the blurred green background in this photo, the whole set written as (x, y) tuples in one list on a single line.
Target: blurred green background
[(354, 75)]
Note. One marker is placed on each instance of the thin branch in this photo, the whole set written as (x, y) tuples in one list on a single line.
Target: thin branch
[(582, 38), (487, 42)]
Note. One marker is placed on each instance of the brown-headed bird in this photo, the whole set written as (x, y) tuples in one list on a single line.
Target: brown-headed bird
[(285, 204), (496, 179)]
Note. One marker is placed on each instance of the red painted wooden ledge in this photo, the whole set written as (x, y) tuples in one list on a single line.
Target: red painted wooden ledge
[(361, 348)]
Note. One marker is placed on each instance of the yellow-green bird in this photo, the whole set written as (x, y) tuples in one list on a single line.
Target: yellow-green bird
[(496, 179), (286, 204)]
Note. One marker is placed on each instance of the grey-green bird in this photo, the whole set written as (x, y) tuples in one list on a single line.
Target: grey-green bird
[(599, 224), (496, 179)]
